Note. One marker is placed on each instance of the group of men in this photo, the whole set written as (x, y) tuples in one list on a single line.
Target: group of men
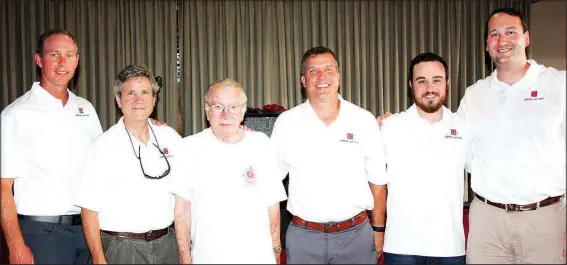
[(140, 193)]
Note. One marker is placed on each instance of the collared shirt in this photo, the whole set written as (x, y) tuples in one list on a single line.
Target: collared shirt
[(518, 151), (114, 186), (329, 166), (230, 187), (43, 148), (426, 166)]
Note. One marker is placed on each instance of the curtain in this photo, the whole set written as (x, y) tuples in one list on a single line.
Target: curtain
[(260, 44), (110, 35)]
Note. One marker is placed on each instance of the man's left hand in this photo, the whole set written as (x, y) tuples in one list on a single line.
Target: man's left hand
[(379, 241), (157, 123)]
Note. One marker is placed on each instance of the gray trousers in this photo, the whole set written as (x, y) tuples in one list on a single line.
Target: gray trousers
[(352, 246), (136, 251)]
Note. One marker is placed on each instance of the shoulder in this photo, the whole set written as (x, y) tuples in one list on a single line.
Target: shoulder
[(361, 115), (17, 106), (169, 133), (552, 73), (395, 120), (290, 114), (479, 85)]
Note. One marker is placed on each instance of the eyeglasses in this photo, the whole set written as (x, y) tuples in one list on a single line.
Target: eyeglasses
[(139, 156), (218, 108)]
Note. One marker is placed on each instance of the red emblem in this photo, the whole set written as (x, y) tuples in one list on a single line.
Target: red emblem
[(534, 94), (453, 131), (349, 136), (165, 151), (80, 110), (249, 176)]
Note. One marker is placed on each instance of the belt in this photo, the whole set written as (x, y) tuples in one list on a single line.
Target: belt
[(340, 226), (147, 236), (74, 219), (521, 208)]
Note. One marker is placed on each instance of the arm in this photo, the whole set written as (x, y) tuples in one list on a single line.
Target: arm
[(274, 213), (91, 228), (182, 222), (18, 252), (378, 217)]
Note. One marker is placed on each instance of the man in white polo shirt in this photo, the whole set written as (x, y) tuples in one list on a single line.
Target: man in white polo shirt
[(228, 189), (333, 152), (426, 149), (45, 136), (517, 121), (127, 209)]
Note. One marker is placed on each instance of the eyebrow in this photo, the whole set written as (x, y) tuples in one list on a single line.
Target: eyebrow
[(511, 27)]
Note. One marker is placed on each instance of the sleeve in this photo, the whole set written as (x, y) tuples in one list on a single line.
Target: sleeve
[(375, 153), (273, 190), (90, 194), (12, 152), (278, 143), (181, 172)]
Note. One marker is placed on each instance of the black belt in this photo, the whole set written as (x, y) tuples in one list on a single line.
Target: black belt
[(74, 219)]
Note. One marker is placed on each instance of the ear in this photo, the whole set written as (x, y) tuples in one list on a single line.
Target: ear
[(303, 81), (527, 39), (409, 83), (118, 101), (38, 61)]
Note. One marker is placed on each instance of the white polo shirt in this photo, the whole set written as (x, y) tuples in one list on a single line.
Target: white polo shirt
[(518, 135), (230, 187), (43, 148), (329, 166), (113, 184), (426, 166)]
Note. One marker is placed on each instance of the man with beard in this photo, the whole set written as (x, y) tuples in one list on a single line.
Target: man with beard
[(426, 149)]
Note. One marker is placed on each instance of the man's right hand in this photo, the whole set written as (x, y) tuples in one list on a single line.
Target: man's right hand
[(20, 255), (381, 118)]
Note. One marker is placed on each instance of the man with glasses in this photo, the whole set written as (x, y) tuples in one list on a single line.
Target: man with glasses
[(127, 208), (228, 189)]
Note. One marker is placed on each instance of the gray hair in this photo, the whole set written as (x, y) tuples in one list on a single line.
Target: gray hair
[(134, 71), (227, 82)]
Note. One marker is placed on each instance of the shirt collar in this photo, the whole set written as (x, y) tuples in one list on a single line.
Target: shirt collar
[(44, 98), (529, 78), (447, 115), (310, 109), (135, 140)]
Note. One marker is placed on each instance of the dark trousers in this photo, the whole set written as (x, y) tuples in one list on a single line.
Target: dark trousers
[(390, 258), (119, 250), (351, 246), (55, 243)]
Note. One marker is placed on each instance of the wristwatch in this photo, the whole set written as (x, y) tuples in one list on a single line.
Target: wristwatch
[(379, 228), (278, 249)]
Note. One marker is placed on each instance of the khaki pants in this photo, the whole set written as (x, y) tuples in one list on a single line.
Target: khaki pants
[(497, 236)]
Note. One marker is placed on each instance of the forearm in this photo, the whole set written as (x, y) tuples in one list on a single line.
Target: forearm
[(379, 193), (9, 215), (91, 228), (182, 222), (274, 213)]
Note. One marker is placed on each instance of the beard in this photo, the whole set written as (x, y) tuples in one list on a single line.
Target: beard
[(429, 105)]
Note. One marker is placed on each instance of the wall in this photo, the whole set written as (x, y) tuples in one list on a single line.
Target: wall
[(548, 33)]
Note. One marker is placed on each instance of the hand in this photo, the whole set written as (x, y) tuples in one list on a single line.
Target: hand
[(379, 241), (157, 123), (102, 261), (564, 243), (381, 118), (21, 255), (244, 127), (278, 255), (189, 260)]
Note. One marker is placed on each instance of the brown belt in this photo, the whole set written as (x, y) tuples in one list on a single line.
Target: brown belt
[(521, 208), (147, 236), (340, 226)]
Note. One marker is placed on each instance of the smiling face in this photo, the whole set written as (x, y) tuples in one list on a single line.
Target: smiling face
[(321, 78), (506, 42), (58, 61), (225, 108), (136, 99), (429, 86)]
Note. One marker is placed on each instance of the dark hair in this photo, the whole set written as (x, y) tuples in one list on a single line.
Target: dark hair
[(509, 11), (427, 57), (49, 33), (316, 51)]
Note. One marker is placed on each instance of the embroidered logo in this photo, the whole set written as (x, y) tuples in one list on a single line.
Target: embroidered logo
[(453, 134), (165, 151), (349, 138), (533, 96), (81, 112), (249, 176)]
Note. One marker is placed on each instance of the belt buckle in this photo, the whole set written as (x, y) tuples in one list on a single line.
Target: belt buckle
[(149, 236), (323, 229), (512, 208)]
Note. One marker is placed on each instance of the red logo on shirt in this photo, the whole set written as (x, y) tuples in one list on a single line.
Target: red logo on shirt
[(453, 131), (165, 151), (249, 175), (80, 110), (534, 94), (349, 136)]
